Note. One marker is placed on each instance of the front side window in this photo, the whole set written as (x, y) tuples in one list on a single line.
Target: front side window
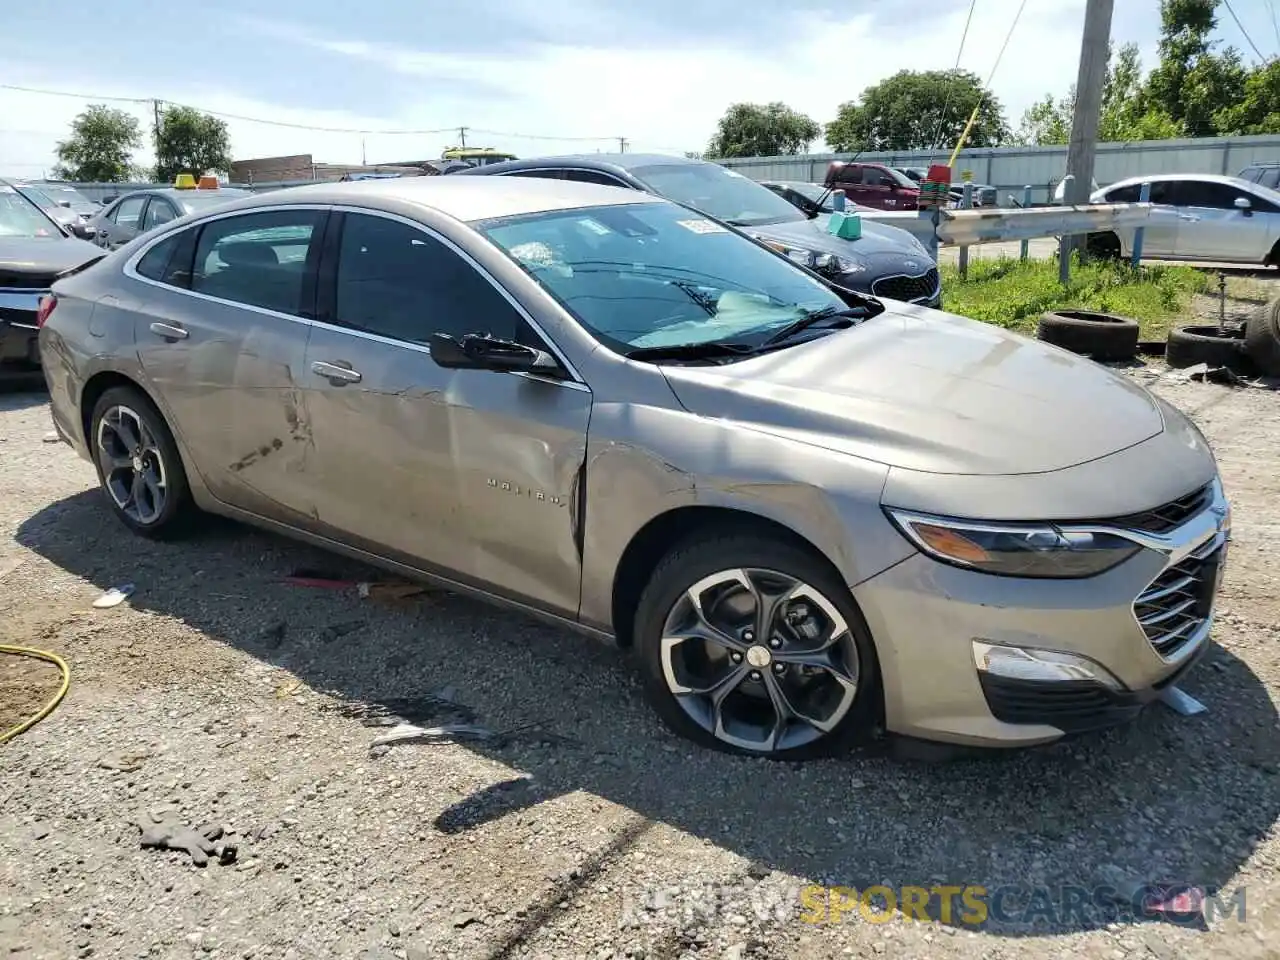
[(397, 281), (258, 259), (593, 176), (717, 192), (656, 275)]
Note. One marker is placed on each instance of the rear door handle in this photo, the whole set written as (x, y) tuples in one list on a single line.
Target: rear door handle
[(169, 332), (335, 372)]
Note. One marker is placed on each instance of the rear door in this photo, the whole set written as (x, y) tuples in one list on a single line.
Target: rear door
[(222, 336), (469, 473)]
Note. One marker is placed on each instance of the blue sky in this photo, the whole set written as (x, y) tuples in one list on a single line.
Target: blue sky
[(521, 73)]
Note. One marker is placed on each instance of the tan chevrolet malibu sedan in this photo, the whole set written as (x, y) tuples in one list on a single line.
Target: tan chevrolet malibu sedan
[(812, 515)]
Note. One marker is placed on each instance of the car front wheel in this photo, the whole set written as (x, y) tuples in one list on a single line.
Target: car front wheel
[(754, 645), (138, 464)]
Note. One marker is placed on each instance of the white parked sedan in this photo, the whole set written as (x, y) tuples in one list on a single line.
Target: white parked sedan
[(1221, 219)]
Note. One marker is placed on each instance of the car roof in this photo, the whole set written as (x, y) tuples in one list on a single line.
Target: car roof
[(461, 198), (175, 192), (604, 162), (1172, 177)]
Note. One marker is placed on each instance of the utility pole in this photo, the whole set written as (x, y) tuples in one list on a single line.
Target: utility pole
[(1084, 121), (462, 136), (155, 111), (622, 144)]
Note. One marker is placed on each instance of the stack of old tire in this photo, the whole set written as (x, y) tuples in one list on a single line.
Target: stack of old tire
[(1253, 346), (1101, 336)]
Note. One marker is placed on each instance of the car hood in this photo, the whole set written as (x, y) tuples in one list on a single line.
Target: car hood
[(44, 257), (924, 390), (877, 243)]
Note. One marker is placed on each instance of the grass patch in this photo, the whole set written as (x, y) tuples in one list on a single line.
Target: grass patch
[(1013, 293)]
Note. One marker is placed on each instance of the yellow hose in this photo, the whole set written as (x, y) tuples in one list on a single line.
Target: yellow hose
[(49, 707)]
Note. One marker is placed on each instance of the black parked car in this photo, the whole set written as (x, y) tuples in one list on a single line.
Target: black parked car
[(35, 251), (885, 261)]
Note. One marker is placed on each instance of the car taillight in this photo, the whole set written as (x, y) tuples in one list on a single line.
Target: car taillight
[(47, 303)]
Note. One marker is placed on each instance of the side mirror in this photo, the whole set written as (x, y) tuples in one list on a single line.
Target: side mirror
[(1242, 203), (483, 352)]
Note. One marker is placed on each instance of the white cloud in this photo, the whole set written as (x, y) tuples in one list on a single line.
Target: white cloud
[(667, 100)]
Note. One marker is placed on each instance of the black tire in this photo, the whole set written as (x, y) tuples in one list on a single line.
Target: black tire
[(1097, 335), (1103, 246), (1262, 339), (1203, 344), (177, 514), (704, 556)]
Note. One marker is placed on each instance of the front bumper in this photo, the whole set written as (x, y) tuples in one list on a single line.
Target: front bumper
[(1134, 621)]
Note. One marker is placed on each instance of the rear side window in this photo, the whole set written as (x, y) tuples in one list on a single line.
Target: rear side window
[(593, 176), (849, 175), (169, 261), (537, 174), (258, 259), (1129, 194), (158, 212)]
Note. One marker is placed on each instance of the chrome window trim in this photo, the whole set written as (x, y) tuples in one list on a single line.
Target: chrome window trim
[(130, 271), (617, 181)]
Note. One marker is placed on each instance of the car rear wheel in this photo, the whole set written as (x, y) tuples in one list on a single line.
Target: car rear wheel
[(138, 465), (753, 645)]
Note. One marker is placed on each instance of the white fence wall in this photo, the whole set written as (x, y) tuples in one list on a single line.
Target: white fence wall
[(1009, 169)]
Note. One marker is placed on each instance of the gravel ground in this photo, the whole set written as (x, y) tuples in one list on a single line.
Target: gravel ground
[(224, 695)]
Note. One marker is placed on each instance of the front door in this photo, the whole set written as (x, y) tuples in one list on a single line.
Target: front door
[(1213, 228), (222, 335), (468, 473), (123, 223)]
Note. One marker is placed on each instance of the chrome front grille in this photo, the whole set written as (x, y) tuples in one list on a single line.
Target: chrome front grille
[(1180, 601)]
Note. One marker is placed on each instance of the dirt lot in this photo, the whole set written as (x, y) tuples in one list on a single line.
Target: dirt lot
[(226, 695)]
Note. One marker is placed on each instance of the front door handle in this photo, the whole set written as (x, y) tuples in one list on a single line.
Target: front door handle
[(337, 373), (169, 332)]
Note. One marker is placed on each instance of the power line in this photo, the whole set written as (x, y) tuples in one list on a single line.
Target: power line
[(1275, 22), (1244, 31), (946, 101), (982, 95)]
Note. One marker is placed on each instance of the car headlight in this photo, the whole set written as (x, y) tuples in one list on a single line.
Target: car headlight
[(1040, 550), (829, 263)]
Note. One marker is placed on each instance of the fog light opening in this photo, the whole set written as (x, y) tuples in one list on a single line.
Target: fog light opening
[(1044, 666)]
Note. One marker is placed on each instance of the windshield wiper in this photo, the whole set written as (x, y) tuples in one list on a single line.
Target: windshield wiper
[(707, 303), (814, 317), (710, 350)]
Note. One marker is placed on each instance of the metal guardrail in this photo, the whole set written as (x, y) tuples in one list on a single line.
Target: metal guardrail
[(1000, 224)]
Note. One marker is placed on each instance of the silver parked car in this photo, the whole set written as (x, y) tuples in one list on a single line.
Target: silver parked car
[(1220, 219), (808, 512)]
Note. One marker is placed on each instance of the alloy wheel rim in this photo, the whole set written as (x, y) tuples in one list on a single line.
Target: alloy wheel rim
[(759, 659), (133, 469)]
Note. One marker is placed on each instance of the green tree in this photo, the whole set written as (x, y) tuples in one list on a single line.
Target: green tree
[(762, 130), (1192, 84), (919, 111), (188, 141), (100, 147), (1046, 122), (1259, 108)]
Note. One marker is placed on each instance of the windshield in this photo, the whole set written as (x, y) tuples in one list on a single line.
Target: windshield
[(37, 196), (209, 198), (718, 192), (19, 217), (70, 195), (656, 275), (902, 179)]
